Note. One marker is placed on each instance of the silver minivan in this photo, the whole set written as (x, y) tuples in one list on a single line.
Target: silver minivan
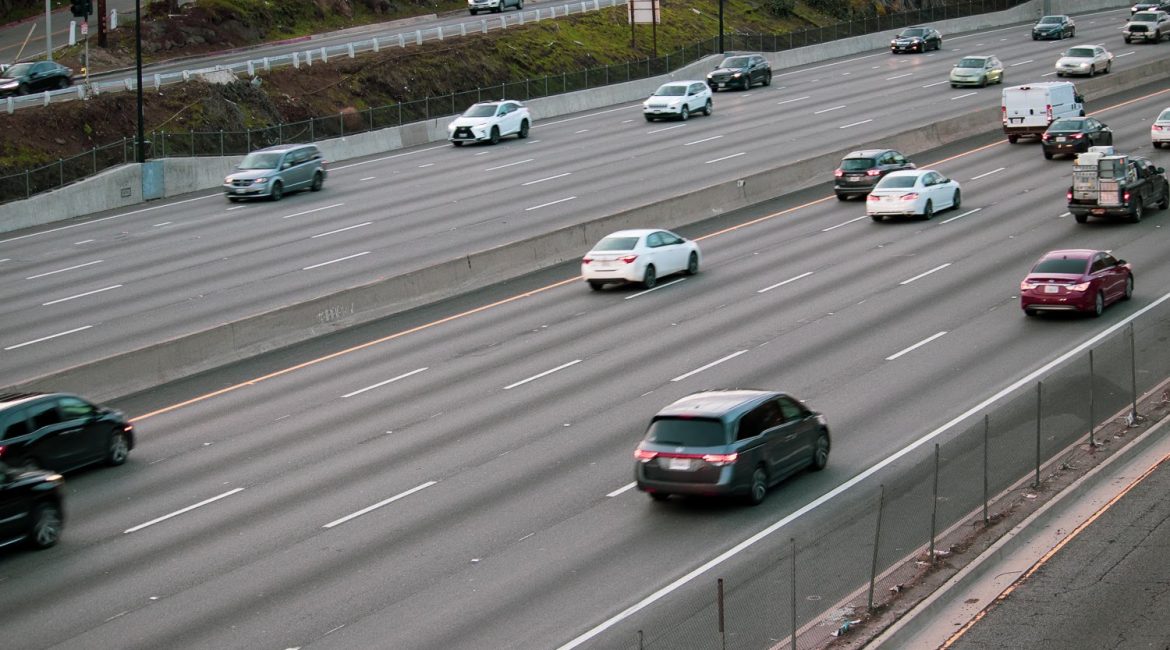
[(274, 171)]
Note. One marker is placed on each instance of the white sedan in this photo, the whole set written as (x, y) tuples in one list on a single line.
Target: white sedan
[(678, 99), (913, 192), (639, 256), (489, 121), (1085, 59), (1160, 130)]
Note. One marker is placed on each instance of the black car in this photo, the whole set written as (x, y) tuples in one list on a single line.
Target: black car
[(30, 507), (61, 432), (861, 170), (25, 78), (1058, 27), (729, 443), (741, 71), (1073, 135), (916, 39)]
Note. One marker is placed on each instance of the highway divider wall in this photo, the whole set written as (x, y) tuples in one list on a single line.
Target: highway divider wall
[(184, 356), (109, 191)]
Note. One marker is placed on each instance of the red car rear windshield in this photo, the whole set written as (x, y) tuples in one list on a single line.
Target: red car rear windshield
[(1060, 265)]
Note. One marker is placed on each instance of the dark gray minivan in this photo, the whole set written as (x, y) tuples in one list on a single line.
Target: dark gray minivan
[(729, 443)]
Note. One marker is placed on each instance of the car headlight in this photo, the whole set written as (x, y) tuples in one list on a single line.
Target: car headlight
[(259, 181), (737, 75), (227, 180)]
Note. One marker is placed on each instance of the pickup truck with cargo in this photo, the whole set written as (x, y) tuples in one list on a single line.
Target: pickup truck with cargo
[(1109, 185)]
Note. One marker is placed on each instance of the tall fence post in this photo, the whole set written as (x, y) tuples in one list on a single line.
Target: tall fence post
[(1092, 404), (28, 179), (61, 172), (221, 143), (934, 506), (877, 534), (986, 468), (1039, 404), (722, 630)]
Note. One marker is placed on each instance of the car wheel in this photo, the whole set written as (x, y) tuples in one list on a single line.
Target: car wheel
[(1108, 67), (523, 130), (928, 211), (1048, 155), (596, 285), (1092, 70), (693, 264), (649, 277), (649, 118), (1072, 33), (821, 452), (954, 85), (520, 5), (708, 108), (983, 82), (957, 199), (1012, 139), (22, 89), (747, 83), (62, 83), (1060, 74), (1128, 40), (1128, 288), (1098, 304), (842, 197), (684, 113), (659, 496), (768, 78), (1030, 312), (119, 449), (277, 191), (1035, 37), (759, 487), (1081, 218), (495, 135), (318, 182), (1138, 209), (1165, 202), (233, 199), (876, 218), (457, 143), (46, 525)]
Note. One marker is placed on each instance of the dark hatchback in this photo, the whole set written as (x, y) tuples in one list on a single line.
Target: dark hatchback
[(1057, 27), (36, 76), (30, 507), (1073, 135), (729, 443), (861, 170), (61, 432), (741, 71)]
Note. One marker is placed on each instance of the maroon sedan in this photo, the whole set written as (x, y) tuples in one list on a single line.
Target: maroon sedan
[(1076, 280)]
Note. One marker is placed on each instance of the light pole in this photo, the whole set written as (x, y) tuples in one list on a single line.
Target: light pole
[(721, 26), (140, 146)]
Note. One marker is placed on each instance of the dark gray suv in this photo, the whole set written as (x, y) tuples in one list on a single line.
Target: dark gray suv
[(274, 171), (729, 443), (861, 170)]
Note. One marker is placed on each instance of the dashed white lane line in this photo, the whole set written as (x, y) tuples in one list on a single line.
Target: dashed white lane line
[(826, 110), (160, 225), (46, 338), (367, 509), (334, 232), (899, 76), (924, 274), (545, 205), (301, 214), (986, 174), (963, 96), (1048, 74), (937, 83), (734, 155), (1012, 65), (68, 268), (113, 216), (668, 128), (183, 510), (864, 216), (624, 488), (367, 178), (960, 216), (543, 374), (383, 383), (780, 284), (581, 131), (81, 295), (916, 346), (547, 178), (84, 241), (714, 137), (425, 165), (709, 365), (9, 259), (1124, 54), (234, 207), (340, 259), (846, 126), (511, 164), (661, 286), (1063, 215), (482, 153), (794, 99)]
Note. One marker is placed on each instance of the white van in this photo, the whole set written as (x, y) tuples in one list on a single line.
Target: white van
[(1029, 109)]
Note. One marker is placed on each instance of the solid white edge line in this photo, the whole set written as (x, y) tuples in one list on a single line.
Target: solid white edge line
[(986, 174), (623, 488), (960, 216), (68, 268), (661, 286), (734, 155), (298, 214), (334, 232), (923, 275), (183, 510), (46, 338), (511, 164), (709, 365), (383, 383), (81, 295), (856, 480), (340, 259), (541, 180), (915, 346), (864, 216), (400, 495), (545, 205), (780, 284), (543, 374)]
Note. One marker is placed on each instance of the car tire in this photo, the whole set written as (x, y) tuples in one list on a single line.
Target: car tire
[(1138, 210), (1048, 155), (318, 182), (877, 218), (928, 211), (957, 199), (277, 191), (22, 89), (1098, 304), (842, 197), (1128, 288), (596, 285), (649, 118), (1108, 67), (1060, 74), (1165, 202), (747, 83), (1081, 218), (758, 488), (520, 5), (768, 78), (684, 114), (1035, 37), (659, 497), (118, 450), (62, 83), (523, 130), (983, 82), (1030, 313), (1012, 139), (649, 277), (820, 459), (1128, 39), (495, 137), (708, 108), (954, 85), (457, 143), (233, 199), (46, 526), (693, 264), (1092, 71)]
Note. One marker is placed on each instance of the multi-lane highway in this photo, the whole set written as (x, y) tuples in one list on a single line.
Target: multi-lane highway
[(459, 476), (130, 278)]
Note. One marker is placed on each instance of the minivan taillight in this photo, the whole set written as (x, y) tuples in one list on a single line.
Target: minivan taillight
[(719, 460), (645, 455)]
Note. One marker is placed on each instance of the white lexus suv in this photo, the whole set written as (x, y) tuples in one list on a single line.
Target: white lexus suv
[(490, 121), (678, 99)]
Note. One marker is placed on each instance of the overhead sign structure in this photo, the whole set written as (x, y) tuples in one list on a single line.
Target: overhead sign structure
[(644, 12)]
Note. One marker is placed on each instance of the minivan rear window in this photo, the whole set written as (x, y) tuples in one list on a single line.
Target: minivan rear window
[(856, 164), (687, 432)]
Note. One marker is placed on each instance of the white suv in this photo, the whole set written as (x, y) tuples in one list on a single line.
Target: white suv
[(678, 99), (494, 6), (489, 121)]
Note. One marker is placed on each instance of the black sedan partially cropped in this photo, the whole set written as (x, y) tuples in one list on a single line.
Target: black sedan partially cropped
[(33, 77), (1073, 135), (1054, 27)]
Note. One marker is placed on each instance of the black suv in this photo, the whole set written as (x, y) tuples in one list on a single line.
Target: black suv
[(741, 71), (30, 507), (861, 170), (61, 432), (729, 442)]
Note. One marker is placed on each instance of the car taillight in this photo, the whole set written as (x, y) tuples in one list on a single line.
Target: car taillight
[(873, 172), (719, 460), (909, 197), (873, 197), (629, 259), (1077, 136), (1083, 286), (1048, 111), (1046, 136), (838, 173), (1027, 286), (645, 455), (1, 451), (1126, 196), (586, 260), (1003, 113), (1068, 194), (1155, 128)]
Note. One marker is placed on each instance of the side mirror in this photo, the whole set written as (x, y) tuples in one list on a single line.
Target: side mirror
[(1080, 99), (1121, 262)]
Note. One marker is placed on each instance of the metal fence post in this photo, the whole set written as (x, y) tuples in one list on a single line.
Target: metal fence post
[(341, 123), (312, 129), (61, 171), (221, 143), (93, 159), (28, 181), (934, 506), (877, 533), (719, 597), (191, 134), (986, 443), (248, 141), (1039, 394), (1092, 403)]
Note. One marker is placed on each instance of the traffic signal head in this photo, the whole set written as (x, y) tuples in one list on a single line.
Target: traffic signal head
[(81, 8)]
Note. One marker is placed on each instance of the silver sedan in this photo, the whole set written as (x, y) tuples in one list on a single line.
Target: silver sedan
[(1084, 60)]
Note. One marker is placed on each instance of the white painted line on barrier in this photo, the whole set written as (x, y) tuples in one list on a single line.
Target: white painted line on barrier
[(846, 126), (826, 110), (301, 214), (709, 365), (183, 510), (780, 284), (334, 232), (81, 295), (624, 488), (68, 268), (986, 174), (714, 137), (794, 99), (669, 128), (963, 95), (864, 216), (661, 286), (547, 178), (383, 383), (354, 515), (545, 205), (960, 216), (511, 164), (915, 346), (923, 275), (46, 338), (340, 259), (734, 155), (543, 374)]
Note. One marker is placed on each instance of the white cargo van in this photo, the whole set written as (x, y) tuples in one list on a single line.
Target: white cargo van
[(1029, 109)]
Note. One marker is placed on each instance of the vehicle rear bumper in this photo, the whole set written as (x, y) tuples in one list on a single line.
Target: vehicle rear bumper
[(1081, 210)]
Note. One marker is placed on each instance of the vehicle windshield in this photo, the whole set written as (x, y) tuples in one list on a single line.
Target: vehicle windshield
[(1061, 265), (671, 90), (687, 432), (1079, 52), (1050, 20), (896, 182), (261, 160), (734, 62), (616, 244), (856, 164), (913, 31), (971, 62), (18, 70), (480, 110), (1065, 125), (1145, 17), (1165, 116)]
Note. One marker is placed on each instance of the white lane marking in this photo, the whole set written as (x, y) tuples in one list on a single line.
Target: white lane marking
[(937, 83), (960, 216), (864, 216), (234, 207), (68, 268), (334, 232), (81, 295), (482, 153), (1048, 74), (581, 117), (789, 101), (543, 374), (676, 126), (581, 131), (548, 178), (160, 225), (734, 155), (545, 205), (9, 259), (183, 510), (994, 171), (829, 65), (846, 74), (46, 338), (962, 96), (1012, 65), (113, 216), (626, 121), (624, 488), (714, 137), (709, 365), (367, 178), (383, 383), (533, 141), (661, 286), (425, 165), (923, 275), (826, 110), (856, 124), (340, 259), (1125, 54), (84, 241), (354, 515), (780, 284), (899, 76), (511, 164), (392, 157), (916, 346), (300, 214), (1063, 215)]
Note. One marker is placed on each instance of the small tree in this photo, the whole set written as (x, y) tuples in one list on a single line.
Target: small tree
[(780, 7)]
